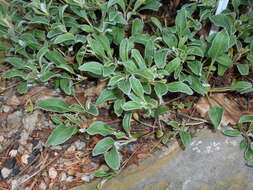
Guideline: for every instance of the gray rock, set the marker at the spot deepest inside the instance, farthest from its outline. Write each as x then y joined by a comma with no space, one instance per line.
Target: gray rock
14,121
80,145
5,172
7,108
211,162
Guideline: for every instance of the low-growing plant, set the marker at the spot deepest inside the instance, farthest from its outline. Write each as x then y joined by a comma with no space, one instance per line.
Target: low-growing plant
66,42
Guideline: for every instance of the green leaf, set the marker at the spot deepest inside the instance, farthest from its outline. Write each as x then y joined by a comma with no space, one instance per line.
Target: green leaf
250,163
173,65
91,109
66,85
113,158
145,73
137,26
242,87
160,58
106,95
60,135
185,138
224,60
126,123
99,127
151,5
246,119
195,67
103,146
195,50
14,73
129,66
60,62
93,67
56,119
138,58
63,38
22,88
53,105
170,39
131,105
16,62
243,69
219,45
118,106
72,119
223,20
97,47
157,23
136,86
123,49
161,110
76,108
179,87
124,86
181,23
149,51
39,20
161,89
215,114
232,133
115,79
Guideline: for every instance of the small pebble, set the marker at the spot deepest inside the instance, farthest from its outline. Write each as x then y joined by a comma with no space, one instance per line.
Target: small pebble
80,145
71,148
24,159
5,172
69,179
52,173
7,108
56,147
14,184
71,172
43,186
13,153
13,101
87,178
63,176
1,138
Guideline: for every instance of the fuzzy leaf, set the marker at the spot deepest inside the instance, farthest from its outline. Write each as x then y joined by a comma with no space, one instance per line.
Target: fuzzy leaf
215,114
103,146
185,138
53,105
113,158
60,135
126,123
99,127
179,87
93,67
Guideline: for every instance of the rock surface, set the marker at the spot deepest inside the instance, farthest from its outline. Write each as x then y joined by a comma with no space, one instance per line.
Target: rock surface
212,162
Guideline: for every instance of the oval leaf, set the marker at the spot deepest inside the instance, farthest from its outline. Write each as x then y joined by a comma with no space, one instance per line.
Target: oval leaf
102,146
215,114
63,38
179,87
113,158
232,133
99,127
53,105
185,138
60,135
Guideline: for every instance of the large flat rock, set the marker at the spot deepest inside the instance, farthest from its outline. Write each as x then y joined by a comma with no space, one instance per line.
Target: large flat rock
212,162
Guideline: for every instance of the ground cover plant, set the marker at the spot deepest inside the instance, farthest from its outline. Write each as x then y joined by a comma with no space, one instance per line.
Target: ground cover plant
144,58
